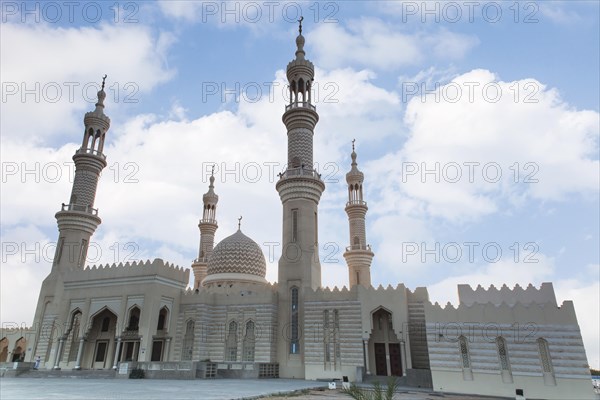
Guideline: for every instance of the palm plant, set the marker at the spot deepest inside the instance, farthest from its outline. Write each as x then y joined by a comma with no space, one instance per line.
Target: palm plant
377,392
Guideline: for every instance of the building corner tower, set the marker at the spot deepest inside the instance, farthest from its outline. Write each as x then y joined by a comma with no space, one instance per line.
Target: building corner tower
300,188
208,226
78,220
358,255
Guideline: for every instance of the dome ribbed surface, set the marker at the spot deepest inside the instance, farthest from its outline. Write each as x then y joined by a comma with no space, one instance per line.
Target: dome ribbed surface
237,254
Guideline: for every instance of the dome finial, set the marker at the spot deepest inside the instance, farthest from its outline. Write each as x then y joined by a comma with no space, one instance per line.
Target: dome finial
240,223
353,140
300,42
101,96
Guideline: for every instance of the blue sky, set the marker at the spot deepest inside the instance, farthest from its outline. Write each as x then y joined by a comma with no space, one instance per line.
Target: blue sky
378,66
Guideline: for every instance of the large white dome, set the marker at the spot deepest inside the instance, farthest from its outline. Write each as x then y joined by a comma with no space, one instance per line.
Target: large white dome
236,258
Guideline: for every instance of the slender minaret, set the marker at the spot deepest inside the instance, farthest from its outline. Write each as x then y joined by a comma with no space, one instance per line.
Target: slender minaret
208,226
358,255
78,220
300,188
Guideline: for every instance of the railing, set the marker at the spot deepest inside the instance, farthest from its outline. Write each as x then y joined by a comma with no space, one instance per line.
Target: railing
201,260
300,171
359,247
208,221
90,151
356,202
76,207
300,104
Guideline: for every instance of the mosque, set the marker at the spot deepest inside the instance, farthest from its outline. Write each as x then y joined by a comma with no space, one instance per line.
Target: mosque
233,323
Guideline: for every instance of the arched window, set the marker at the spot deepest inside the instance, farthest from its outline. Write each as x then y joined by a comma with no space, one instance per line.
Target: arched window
249,342
188,341
295,334
162,319
134,319
464,352
105,324
545,355
231,342
502,353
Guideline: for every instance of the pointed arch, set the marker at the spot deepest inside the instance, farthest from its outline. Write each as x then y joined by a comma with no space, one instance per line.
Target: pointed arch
133,318
231,342
163,319
3,349
188,340
18,353
249,343
73,334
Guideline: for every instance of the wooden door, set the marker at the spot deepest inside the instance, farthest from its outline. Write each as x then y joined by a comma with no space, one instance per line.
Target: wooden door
395,360
380,361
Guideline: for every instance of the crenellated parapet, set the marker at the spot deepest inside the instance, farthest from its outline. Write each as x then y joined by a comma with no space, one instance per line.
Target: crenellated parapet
502,313
544,295
156,268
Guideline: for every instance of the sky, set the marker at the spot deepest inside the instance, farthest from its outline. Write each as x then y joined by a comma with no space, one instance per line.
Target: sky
476,126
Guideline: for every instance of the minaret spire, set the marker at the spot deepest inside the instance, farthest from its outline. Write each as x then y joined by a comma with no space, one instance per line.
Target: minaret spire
358,255
78,220
208,226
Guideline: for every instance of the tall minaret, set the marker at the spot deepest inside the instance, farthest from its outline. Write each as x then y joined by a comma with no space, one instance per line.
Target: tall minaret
358,255
208,226
78,220
300,188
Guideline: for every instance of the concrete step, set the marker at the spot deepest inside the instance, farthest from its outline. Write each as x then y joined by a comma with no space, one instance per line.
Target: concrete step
80,374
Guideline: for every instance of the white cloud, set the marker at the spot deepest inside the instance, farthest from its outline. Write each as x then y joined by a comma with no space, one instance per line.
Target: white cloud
74,61
542,148
372,43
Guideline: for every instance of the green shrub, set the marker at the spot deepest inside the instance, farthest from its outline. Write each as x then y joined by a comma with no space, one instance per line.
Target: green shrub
137,373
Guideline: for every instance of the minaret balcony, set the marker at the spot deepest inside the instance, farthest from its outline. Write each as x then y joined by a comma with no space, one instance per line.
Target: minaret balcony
300,104
300,171
208,221
77,207
93,152
359,247
201,260
356,203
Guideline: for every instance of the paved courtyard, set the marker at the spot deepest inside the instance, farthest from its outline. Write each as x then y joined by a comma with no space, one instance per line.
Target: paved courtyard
145,389
113,389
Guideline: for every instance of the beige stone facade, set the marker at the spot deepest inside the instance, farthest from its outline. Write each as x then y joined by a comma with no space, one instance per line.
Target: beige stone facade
495,342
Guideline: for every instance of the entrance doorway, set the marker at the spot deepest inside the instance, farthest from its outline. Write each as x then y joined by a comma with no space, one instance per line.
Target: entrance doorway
385,355
157,349
100,354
